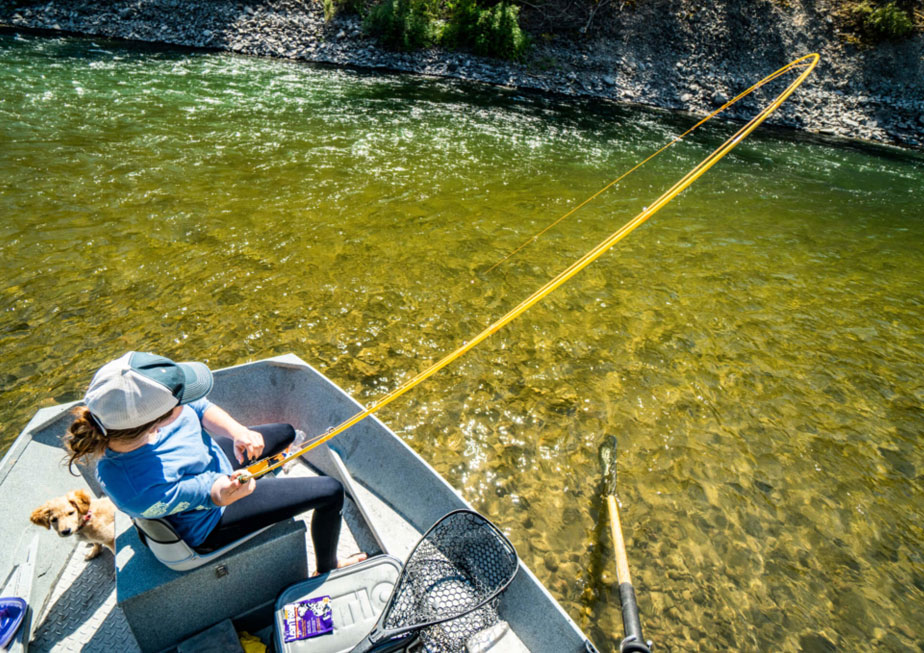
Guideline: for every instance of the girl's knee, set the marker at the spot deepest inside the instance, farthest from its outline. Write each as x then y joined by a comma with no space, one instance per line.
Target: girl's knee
276,437
332,490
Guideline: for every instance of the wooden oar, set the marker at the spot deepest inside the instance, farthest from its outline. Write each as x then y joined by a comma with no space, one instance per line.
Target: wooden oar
633,641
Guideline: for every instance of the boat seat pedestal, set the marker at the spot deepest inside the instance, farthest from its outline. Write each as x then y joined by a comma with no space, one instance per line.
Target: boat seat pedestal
164,607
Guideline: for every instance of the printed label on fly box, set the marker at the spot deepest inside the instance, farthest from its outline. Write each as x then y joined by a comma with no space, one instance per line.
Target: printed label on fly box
310,618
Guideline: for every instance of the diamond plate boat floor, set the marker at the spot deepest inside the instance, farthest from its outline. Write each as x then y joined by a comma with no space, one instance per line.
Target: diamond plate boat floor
82,614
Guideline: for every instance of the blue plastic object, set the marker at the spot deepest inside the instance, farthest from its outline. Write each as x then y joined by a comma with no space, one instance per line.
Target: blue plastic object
12,610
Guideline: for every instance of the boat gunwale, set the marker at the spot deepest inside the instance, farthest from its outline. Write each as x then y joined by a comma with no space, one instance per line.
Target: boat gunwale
42,419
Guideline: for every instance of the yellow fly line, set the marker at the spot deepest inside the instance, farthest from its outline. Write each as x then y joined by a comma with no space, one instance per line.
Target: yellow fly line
807,63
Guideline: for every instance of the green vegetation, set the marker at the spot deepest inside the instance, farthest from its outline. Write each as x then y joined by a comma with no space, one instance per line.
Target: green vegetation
872,22
490,30
883,23
493,31
402,24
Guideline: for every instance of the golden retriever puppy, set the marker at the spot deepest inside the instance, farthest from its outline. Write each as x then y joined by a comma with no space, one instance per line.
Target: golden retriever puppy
77,514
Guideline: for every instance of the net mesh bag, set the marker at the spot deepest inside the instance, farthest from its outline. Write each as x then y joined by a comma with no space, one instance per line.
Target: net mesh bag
451,636
451,577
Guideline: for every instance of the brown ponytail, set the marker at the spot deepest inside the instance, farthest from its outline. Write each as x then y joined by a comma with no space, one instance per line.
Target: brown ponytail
84,439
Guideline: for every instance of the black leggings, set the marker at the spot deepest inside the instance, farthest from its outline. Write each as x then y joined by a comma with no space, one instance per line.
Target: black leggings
275,499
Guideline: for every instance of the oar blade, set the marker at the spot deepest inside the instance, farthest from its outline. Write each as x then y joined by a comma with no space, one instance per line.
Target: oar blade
608,456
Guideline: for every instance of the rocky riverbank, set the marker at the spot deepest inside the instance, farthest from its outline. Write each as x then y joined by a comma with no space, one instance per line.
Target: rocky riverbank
672,54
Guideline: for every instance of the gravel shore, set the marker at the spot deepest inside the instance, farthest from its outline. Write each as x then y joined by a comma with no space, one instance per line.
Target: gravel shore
694,63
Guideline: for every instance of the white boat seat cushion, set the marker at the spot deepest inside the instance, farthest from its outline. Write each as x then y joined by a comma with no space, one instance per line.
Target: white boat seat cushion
159,536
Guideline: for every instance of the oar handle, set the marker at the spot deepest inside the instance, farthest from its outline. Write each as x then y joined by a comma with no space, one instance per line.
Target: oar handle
632,625
633,642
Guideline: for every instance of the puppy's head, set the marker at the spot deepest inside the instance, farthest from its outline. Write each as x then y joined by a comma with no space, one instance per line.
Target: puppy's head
64,514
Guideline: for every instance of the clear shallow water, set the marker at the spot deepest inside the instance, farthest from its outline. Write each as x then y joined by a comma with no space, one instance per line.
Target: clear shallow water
758,347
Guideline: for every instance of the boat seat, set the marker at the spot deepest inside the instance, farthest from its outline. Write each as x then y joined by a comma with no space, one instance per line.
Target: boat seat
159,536
164,581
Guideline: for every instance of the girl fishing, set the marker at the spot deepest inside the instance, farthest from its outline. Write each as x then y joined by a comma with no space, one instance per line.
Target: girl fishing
165,451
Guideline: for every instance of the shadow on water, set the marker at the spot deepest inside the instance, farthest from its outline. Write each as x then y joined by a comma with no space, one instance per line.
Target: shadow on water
79,47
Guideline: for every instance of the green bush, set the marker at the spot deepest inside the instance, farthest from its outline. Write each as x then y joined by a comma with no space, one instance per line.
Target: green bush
330,9
401,24
334,7
884,23
413,24
491,31
463,21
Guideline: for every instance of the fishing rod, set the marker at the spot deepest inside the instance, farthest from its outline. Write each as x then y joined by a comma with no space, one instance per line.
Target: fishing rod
808,62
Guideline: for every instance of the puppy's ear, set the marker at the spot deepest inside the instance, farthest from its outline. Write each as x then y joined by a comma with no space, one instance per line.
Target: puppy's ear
80,499
40,516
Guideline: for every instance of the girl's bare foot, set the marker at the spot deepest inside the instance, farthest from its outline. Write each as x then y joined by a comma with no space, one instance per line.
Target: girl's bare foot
352,560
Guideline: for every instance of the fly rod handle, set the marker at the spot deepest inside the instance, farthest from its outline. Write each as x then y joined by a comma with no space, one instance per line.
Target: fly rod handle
258,468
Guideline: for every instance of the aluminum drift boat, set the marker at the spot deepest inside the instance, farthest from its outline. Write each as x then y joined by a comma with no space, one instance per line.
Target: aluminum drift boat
395,496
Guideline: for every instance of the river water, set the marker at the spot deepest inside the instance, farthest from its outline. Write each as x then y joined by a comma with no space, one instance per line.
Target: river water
757,348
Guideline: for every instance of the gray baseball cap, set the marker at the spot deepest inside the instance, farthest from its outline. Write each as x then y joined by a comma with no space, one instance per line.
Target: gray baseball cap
138,388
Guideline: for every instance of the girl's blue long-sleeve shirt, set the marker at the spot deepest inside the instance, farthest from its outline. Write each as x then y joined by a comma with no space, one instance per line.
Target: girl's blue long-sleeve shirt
170,477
